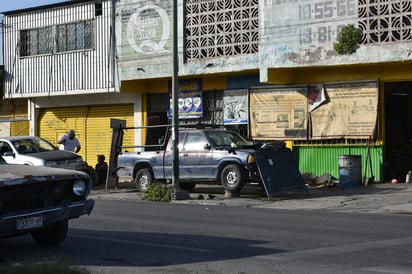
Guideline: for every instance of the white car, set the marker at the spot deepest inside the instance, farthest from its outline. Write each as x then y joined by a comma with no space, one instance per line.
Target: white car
36,151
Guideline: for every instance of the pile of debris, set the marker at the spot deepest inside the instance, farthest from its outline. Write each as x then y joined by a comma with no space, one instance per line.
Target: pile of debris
325,180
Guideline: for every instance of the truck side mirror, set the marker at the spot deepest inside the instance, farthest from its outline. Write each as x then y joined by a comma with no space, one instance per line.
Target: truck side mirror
207,146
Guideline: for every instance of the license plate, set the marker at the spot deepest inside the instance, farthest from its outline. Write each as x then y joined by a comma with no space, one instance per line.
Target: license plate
29,222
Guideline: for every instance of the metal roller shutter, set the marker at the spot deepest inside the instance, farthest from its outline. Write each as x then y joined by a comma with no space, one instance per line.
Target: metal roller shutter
54,122
19,128
92,126
99,133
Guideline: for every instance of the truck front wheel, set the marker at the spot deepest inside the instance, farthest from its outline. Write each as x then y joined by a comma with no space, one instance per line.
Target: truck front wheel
143,179
233,178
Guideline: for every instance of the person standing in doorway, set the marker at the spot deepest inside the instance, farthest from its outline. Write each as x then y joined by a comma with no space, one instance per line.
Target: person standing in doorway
69,142
101,169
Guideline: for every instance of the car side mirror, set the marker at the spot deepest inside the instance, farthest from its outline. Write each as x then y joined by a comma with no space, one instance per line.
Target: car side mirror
207,146
8,153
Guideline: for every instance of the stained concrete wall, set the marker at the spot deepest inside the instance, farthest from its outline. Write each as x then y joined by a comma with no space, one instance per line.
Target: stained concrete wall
298,33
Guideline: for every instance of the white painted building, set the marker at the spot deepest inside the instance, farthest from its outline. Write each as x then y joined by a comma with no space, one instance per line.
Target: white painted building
61,58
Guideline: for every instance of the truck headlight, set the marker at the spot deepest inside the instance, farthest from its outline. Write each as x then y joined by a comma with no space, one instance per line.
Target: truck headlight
79,188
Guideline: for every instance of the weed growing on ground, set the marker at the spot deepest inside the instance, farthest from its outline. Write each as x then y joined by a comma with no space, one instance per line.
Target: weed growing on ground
158,192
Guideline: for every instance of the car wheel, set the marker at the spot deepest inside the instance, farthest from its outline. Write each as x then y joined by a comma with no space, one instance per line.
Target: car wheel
52,235
143,179
187,186
233,178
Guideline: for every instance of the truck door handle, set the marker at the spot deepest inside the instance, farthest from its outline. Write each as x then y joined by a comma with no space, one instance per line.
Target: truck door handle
185,154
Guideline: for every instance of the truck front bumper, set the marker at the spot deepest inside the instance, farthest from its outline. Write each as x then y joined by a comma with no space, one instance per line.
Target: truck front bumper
11,223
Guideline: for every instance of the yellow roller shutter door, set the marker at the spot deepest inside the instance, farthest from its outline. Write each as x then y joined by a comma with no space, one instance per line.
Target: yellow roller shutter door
92,126
19,128
56,121
99,133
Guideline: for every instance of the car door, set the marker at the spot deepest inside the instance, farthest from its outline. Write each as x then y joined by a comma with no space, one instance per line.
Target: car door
196,157
168,156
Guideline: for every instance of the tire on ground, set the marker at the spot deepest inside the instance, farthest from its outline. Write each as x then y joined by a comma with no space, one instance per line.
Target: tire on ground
143,179
233,178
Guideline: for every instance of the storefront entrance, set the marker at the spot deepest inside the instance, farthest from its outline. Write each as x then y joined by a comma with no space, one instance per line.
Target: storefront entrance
398,130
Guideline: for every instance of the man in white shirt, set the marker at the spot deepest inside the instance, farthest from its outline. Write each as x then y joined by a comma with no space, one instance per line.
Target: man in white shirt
69,142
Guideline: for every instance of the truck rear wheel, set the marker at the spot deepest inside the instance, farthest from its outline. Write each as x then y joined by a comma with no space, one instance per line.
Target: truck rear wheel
143,179
233,178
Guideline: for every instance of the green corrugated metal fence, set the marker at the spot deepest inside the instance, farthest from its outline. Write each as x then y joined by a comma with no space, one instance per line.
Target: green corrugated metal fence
324,159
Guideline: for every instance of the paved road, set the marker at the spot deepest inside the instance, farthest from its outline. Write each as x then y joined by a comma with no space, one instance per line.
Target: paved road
250,234
374,198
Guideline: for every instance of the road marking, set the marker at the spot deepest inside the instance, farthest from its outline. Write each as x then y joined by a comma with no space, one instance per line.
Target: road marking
388,269
339,249
141,243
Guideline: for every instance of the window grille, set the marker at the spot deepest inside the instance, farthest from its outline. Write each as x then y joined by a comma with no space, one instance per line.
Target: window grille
36,41
74,36
215,28
383,21
45,40
69,37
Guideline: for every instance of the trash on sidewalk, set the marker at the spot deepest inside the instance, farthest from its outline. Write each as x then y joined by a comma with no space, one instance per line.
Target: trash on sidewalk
325,180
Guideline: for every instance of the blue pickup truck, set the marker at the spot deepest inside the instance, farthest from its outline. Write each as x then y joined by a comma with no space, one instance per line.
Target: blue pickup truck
211,155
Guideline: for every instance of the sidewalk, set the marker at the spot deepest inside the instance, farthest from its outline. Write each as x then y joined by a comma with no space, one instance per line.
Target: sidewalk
374,198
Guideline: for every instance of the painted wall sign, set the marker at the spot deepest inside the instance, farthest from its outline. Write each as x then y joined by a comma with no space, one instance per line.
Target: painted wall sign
148,30
145,47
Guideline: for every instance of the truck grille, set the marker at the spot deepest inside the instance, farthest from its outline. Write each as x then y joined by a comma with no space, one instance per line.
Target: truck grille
33,196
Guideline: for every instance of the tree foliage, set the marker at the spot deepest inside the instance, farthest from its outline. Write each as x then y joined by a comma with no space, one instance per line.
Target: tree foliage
348,40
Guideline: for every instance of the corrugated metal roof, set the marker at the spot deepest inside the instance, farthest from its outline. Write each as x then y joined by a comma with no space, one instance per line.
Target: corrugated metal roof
43,7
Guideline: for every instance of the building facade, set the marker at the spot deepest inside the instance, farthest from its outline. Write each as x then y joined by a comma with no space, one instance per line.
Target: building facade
267,69
60,61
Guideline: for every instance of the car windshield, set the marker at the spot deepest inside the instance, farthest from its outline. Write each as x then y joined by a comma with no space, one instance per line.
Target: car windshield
32,145
226,138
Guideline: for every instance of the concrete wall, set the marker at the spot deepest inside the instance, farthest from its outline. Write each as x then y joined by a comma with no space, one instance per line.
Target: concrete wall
298,33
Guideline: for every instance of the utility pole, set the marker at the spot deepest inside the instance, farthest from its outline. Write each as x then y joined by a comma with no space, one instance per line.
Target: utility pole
175,109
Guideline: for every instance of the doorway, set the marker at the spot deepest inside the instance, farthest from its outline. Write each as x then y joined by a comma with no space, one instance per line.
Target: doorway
398,130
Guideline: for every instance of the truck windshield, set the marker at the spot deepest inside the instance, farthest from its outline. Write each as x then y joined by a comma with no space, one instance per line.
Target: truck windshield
226,138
